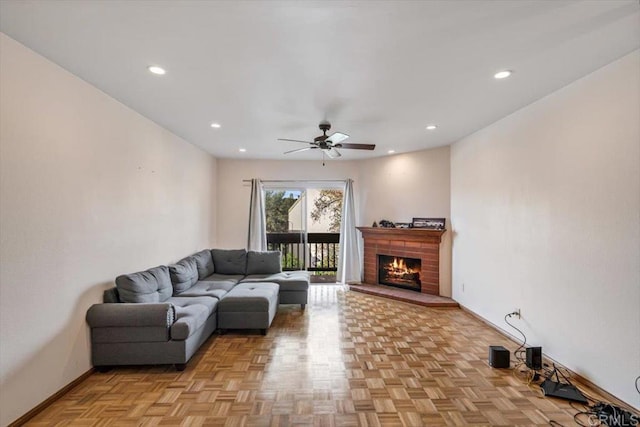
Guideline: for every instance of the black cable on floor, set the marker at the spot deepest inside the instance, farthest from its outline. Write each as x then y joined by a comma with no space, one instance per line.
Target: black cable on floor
524,338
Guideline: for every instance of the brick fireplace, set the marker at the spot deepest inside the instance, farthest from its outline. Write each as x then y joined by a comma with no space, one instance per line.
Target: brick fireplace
414,243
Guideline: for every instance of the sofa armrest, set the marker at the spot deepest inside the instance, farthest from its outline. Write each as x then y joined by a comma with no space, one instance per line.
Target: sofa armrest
130,315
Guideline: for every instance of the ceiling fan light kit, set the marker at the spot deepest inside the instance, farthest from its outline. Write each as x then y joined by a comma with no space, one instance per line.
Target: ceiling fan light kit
328,143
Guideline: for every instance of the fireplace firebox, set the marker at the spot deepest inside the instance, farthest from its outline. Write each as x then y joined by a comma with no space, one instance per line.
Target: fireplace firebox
400,272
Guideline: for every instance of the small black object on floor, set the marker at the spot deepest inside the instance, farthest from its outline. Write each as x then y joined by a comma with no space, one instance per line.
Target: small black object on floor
563,391
499,357
533,358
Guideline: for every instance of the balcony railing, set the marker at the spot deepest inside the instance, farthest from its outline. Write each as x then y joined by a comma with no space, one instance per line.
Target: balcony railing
318,253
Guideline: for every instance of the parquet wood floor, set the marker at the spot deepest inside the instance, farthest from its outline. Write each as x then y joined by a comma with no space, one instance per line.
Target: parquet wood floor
349,359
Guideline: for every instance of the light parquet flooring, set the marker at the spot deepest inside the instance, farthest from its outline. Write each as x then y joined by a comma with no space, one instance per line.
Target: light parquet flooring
349,359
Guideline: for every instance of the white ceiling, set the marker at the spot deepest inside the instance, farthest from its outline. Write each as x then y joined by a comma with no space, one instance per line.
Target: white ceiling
379,71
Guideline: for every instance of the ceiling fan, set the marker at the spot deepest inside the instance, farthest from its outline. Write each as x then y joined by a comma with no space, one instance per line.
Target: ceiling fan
328,143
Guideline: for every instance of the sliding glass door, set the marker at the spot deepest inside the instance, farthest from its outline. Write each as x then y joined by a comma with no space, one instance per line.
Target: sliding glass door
304,224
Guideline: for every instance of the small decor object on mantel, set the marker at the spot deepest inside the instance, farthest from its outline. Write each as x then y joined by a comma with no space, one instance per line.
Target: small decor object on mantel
387,224
403,225
375,225
429,223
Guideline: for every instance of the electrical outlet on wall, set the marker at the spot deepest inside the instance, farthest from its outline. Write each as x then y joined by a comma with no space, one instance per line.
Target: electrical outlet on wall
516,313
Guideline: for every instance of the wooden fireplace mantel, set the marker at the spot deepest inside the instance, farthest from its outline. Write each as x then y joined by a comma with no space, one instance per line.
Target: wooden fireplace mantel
408,234
419,243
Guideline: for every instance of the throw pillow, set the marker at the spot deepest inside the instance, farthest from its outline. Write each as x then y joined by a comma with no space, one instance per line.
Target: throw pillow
184,274
204,263
265,262
152,285
230,261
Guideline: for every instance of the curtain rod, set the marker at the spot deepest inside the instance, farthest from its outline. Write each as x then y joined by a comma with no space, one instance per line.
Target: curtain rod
298,180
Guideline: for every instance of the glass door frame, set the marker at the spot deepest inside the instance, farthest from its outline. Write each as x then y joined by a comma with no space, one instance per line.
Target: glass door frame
303,186
303,238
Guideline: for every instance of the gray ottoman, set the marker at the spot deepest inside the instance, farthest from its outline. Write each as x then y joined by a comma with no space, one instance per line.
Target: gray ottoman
294,285
249,306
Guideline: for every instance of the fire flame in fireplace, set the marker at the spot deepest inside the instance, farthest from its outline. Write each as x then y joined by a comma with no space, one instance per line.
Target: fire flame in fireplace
398,268
399,271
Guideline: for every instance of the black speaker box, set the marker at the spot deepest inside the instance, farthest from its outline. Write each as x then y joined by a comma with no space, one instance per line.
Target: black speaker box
534,358
499,357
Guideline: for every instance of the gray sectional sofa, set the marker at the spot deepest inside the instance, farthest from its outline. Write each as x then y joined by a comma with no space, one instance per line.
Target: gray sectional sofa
162,315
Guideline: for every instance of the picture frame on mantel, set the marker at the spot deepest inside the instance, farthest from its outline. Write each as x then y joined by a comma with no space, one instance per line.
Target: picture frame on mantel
429,223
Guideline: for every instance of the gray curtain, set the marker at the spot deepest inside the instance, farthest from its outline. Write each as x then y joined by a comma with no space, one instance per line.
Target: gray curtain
257,240
349,270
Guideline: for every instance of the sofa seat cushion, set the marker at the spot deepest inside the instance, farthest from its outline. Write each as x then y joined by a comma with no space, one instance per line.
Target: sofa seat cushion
250,297
185,302
204,263
184,274
208,289
191,314
219,278
288,280
149,286
264,262
188,320
230,261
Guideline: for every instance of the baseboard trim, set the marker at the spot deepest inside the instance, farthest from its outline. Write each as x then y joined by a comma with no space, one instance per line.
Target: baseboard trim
607,396
51,399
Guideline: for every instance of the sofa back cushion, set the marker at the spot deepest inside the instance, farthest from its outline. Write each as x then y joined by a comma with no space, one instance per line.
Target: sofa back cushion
265,262
152,285
230,261
184,274
111,296
204,262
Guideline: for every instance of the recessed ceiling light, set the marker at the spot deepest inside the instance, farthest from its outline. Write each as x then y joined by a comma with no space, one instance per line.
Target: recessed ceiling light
156,70
502,74
242,150
431,127
391,151
215,125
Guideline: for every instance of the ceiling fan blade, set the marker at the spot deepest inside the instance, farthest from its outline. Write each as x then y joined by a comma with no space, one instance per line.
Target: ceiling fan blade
299,150
337,137
295,140
332,153
356,146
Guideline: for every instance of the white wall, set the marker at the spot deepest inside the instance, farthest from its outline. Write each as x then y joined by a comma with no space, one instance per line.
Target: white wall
396,188
89,189
546,217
